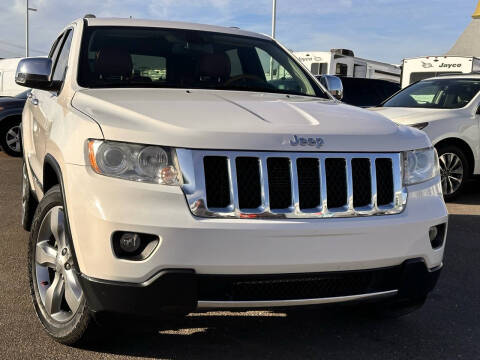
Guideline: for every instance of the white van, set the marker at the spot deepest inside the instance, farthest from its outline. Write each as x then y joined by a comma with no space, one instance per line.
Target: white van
8,87
342,62
416,69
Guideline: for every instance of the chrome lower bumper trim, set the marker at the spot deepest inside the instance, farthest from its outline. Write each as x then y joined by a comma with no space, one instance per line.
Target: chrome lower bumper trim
285,303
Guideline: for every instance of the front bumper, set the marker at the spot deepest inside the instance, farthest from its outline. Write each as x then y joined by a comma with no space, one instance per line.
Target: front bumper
184,291
237,246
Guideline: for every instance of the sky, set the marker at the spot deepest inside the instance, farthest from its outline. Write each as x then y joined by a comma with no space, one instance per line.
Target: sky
383,30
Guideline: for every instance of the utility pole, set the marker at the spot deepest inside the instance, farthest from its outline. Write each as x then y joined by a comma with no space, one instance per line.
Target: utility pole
274,22
27,9
274,17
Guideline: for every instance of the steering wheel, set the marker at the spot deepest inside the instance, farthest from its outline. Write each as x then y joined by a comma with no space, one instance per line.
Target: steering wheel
243,77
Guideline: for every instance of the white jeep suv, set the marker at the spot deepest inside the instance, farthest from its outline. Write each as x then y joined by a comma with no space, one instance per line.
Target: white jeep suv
447,108
167,170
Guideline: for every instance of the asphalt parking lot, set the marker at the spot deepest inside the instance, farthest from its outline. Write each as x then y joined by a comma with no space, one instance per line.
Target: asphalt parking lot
447,327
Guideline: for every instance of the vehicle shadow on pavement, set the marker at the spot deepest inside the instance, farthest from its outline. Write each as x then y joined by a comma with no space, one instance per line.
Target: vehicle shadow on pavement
445,328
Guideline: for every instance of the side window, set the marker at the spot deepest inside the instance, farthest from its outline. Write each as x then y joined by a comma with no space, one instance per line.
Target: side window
268,63
341,69
55,48
280,77
62,61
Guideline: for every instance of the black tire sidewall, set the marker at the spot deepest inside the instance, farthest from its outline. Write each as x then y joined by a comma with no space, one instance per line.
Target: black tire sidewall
466,167
6,125
30,202
71,331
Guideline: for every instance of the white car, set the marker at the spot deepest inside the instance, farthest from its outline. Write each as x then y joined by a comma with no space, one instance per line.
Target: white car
165,171
447,108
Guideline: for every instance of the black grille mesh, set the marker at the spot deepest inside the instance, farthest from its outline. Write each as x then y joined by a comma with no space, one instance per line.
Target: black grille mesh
384,181
336,182
362,182
280,189
248,182
296,286
216,181
308,183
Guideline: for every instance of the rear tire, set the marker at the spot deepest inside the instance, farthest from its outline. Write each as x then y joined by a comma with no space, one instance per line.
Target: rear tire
10,137
57,296
454,170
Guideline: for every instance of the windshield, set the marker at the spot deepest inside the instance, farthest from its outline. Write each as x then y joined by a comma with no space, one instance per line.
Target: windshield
436,94
172,58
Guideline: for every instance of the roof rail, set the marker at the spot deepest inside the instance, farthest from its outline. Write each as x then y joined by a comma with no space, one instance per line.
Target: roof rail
89,16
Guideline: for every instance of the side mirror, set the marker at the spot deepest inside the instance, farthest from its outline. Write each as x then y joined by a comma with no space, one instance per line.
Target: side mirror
334,85
35,73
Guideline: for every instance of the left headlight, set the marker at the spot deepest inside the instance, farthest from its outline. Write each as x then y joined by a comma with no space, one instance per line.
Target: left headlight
420,165
135,162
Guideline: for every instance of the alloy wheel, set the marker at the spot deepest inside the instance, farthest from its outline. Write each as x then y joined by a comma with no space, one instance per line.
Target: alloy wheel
13,139
452,172
57,283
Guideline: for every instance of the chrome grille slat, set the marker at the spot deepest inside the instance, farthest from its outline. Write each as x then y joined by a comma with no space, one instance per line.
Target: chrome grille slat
264,184
232,175
294,185
349,185
194,185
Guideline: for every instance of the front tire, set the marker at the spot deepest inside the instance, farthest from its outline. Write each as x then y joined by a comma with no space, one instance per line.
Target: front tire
10,137
56,293
454,170
29,203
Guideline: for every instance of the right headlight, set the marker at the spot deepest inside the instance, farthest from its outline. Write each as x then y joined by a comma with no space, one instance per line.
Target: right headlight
420,166
135,162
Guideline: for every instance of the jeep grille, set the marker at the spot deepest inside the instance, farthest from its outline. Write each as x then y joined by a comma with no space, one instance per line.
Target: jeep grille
237,184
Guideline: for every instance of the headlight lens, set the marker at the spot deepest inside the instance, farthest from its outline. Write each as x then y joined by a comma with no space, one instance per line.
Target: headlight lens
135,162
420,165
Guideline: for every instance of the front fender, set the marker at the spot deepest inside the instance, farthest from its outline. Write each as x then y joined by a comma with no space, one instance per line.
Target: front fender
10,112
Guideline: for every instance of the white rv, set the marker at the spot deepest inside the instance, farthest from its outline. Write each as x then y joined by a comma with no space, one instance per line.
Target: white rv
8,87
342,62
416,69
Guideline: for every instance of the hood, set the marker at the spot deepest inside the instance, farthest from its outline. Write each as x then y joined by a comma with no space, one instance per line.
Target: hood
11,102
215,119
410,116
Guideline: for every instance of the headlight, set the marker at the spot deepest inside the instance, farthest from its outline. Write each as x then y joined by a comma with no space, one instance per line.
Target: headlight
152,164
419,126
420,165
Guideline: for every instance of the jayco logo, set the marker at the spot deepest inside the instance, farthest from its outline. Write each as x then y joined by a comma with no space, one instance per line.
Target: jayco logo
448,66
306,141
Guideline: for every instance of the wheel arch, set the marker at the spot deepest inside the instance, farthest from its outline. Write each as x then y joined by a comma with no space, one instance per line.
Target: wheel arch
462,144
52,175
11,115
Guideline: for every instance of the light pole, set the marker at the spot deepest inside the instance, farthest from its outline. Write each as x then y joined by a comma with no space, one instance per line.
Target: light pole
274,17
27,9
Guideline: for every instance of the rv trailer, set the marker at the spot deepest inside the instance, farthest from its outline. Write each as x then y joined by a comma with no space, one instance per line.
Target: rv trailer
342,62
416,69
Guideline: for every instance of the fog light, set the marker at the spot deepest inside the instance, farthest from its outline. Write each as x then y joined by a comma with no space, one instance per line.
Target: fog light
130,242
437,235
133,246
